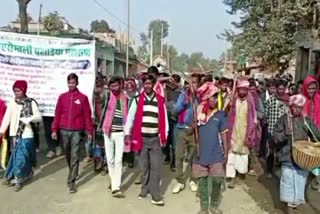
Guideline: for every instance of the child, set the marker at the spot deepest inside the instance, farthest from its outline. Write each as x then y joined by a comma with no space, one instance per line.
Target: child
209,164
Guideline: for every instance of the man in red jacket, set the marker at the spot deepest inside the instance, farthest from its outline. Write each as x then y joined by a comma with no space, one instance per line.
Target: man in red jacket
72,118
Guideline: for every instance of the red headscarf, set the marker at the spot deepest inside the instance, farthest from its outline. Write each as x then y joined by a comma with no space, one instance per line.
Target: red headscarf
315,115
22,85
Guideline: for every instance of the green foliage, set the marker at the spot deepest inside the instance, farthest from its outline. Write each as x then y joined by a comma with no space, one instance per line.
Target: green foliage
52,22
100,26
268,28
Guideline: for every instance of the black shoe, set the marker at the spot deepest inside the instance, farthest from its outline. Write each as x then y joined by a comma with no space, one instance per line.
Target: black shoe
117,194
142,195
72,188
17,187
130,165
138,181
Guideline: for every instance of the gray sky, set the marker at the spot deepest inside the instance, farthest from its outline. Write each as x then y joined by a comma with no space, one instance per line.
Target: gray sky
194,24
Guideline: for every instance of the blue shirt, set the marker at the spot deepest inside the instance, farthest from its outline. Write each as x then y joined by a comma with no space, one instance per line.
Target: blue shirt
180,106
211,149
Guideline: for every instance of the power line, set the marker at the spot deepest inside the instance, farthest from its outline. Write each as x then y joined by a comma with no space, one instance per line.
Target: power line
113,15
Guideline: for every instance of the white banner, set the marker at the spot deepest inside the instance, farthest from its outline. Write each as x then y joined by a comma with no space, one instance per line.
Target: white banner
45,62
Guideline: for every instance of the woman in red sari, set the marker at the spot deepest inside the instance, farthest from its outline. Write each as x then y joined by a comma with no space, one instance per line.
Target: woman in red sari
311,109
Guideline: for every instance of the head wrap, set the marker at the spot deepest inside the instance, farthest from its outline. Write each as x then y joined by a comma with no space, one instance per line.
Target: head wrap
22,85
207,90
243,84
298,100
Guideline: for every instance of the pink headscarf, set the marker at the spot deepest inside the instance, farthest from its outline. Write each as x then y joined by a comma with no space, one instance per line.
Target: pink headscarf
206,91
243,84
298,100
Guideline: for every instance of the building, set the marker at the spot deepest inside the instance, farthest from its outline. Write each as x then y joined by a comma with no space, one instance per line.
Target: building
34,26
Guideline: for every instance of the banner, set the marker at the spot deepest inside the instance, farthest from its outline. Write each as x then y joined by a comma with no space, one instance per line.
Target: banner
45,63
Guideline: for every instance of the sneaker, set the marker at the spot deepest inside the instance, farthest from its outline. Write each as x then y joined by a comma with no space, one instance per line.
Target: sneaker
159,203
142,195
193,186
215,211
17,187
117,194
51,155
231,184
72,188
58,151
252,173
178,188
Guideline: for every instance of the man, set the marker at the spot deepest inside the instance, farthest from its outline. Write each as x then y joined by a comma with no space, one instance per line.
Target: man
224,96
290,127
21,115
276,106
242,124
54,149
147,124
209,166
172,91
185,136
114,120
72,118
311,109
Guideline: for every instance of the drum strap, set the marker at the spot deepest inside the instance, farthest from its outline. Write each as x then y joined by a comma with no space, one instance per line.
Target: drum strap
310,130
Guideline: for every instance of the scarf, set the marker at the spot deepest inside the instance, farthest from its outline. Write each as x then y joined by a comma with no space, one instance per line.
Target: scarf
112,104
311,104
25,112
251,125
136,131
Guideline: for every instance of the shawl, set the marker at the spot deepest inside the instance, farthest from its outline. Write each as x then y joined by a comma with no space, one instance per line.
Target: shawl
112,104
25,112
251,119
309,101
136,131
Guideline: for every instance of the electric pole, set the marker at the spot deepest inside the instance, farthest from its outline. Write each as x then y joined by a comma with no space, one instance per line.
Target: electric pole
128,41
39,19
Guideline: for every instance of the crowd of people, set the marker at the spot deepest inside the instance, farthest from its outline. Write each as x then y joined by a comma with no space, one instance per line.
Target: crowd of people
219,128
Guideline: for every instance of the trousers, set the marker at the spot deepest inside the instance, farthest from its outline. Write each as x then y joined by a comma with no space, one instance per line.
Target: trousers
71,144
114,146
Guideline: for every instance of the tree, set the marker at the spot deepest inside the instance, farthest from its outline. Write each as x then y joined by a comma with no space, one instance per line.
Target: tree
268,28
30,19
23,15
53,23
100,26
160,30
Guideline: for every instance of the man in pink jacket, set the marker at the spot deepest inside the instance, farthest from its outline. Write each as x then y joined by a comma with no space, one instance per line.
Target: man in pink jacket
72,118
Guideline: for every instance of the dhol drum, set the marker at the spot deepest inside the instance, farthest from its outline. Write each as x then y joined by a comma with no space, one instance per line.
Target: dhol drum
306,154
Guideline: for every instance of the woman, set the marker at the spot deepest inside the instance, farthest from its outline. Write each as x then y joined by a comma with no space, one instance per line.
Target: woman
291,127
310,90
22,113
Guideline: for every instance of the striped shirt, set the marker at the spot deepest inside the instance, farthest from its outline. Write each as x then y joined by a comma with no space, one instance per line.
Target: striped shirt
117,125
150,118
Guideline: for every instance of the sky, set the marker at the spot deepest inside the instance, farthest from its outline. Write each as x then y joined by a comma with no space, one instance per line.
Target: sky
194,24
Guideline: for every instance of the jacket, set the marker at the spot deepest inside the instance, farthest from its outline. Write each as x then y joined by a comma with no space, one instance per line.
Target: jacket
73,113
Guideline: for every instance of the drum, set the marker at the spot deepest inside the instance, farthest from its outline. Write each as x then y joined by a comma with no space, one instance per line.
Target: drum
306,154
